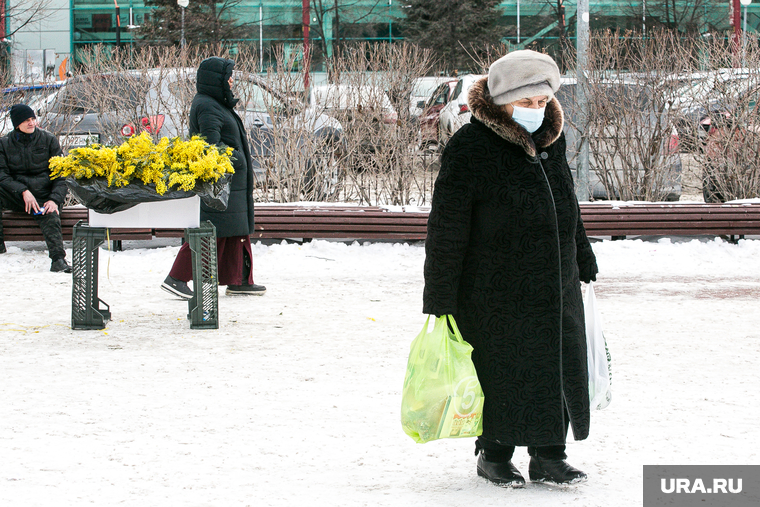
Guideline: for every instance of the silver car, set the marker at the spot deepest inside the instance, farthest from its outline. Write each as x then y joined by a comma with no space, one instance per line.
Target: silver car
633,151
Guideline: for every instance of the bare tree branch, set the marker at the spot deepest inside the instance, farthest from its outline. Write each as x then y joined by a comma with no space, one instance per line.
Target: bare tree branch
21,15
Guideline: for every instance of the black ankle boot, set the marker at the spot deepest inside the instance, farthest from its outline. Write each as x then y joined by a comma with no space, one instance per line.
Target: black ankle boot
554,470
503,474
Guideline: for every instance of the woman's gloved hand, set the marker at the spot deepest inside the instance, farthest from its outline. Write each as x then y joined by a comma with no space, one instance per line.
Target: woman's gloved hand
587,269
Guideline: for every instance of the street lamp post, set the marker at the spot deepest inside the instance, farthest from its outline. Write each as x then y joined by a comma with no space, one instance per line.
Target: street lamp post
390,21
644,19
745,3
183,4
261,37
518,21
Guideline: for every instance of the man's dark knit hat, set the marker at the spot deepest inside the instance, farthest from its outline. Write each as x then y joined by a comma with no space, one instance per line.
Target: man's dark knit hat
20,113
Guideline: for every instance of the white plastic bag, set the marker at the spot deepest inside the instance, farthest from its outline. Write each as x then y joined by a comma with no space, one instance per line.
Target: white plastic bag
599,359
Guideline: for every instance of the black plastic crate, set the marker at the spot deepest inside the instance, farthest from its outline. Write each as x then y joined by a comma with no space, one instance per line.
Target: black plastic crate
86,312
203,307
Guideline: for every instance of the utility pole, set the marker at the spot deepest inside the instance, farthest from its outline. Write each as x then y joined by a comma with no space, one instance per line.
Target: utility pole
745,3
118,24
582,164
306,21
183,4
390,21
518,21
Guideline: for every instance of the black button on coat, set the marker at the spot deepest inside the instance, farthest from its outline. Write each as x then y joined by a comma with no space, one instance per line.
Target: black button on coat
504,245
25,165
212,116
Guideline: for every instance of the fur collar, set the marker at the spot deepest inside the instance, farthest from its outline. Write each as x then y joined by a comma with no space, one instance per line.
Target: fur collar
496,118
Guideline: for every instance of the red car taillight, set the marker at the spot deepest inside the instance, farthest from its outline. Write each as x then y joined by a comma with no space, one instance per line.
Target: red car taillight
153,124
390,117
673,144
127,130
150,124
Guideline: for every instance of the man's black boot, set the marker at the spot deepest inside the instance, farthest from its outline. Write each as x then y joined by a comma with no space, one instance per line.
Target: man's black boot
60,266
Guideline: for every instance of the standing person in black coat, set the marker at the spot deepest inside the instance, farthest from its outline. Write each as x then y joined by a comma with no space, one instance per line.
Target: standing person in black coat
505,253
213,117
25,183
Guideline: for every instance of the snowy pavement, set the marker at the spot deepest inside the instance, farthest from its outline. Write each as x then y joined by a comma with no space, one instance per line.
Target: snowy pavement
294,401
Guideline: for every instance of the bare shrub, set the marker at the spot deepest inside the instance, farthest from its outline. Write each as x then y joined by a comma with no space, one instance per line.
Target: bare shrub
642,91
304,148
149,89
295,146
630,124
722,110
369,95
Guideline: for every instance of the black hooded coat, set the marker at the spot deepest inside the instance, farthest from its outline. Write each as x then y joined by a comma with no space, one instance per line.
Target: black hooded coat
212,116
504,246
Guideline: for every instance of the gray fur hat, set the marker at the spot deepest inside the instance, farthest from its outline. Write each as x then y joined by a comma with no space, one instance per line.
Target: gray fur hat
522,74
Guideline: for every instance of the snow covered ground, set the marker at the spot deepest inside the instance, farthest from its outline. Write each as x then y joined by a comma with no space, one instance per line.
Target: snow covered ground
294,401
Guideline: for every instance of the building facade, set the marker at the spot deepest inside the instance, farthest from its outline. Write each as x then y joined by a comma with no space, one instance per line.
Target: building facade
69,26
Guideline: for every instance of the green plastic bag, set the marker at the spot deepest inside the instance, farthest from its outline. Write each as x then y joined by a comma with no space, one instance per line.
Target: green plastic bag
442,397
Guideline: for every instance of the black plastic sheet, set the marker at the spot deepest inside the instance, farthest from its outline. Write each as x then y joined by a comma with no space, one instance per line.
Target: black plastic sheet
95,194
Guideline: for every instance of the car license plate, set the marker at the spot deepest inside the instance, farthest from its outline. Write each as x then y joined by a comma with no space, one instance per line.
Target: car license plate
77,140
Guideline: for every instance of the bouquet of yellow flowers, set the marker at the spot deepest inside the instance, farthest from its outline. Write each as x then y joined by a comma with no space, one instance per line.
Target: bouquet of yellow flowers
108,179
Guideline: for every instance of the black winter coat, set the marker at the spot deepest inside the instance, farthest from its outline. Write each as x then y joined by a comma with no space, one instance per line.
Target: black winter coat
212,116
25,165
504,244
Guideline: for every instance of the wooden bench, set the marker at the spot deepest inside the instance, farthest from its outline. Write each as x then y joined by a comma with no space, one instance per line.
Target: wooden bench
331,222
340,222
619,220
22,226
609,219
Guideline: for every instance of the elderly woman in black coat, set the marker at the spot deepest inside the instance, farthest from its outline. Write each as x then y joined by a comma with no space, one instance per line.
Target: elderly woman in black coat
505,253
213,117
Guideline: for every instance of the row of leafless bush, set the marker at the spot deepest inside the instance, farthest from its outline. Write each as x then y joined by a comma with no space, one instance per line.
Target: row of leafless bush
650,104
356,143
647,100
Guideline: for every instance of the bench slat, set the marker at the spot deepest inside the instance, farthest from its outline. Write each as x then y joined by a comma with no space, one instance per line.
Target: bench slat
371,222
338,235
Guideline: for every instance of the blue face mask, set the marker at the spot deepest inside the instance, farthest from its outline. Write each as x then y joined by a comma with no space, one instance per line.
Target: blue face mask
529,119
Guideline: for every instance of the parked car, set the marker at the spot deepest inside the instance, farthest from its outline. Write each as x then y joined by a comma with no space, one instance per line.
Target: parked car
287,132
732,151
352,100
23,94
456,112
703,94
110,107
625,146
368,119
422,89
430,118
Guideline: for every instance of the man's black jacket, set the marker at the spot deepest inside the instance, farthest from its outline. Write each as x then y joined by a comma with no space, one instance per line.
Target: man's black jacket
24,165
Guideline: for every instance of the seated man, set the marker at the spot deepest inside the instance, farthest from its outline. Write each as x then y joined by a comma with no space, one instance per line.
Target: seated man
25,183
